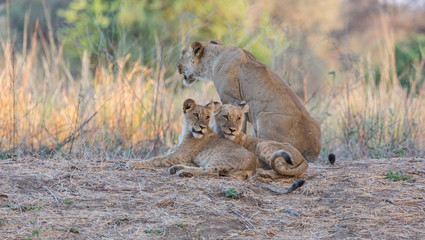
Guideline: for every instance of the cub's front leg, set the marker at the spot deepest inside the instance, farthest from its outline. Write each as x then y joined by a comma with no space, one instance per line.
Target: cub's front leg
167,160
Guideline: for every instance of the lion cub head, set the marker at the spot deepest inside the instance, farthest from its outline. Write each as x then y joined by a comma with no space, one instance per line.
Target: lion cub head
197,118
229,119
189,59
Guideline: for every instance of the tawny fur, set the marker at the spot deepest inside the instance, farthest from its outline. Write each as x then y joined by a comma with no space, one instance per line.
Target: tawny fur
228,123
199,145
275,113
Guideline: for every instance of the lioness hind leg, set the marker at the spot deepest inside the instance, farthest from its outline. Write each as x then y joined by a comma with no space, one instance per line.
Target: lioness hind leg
304,135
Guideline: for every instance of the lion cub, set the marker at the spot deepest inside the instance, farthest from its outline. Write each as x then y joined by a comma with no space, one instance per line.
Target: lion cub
199,145
283,158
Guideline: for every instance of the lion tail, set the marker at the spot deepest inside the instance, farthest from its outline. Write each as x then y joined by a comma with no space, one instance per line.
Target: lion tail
282,169
294,186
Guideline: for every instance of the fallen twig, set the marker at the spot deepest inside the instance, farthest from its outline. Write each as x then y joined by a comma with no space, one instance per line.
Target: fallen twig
56,199
246,223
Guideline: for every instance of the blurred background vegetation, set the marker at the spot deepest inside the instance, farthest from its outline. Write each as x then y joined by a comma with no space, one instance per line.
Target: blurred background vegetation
98,77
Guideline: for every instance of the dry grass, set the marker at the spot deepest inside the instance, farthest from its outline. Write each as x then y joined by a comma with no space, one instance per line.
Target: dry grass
101,199
122,108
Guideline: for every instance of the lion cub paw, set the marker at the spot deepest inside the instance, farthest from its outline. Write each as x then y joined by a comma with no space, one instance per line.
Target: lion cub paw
137,164
175,168
129,164
183,173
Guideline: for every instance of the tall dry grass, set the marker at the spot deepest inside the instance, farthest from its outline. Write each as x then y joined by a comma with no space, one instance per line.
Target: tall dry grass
362,118
129,109
124,108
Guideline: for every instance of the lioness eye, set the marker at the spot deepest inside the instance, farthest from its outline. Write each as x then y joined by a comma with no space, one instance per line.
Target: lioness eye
196,115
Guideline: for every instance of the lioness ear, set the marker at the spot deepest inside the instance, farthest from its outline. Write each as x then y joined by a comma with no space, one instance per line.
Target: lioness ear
188,105
198,49
218,42
244,106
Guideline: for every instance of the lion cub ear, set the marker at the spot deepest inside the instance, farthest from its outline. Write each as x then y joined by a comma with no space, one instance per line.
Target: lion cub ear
188,105
215,106
244,106
198,49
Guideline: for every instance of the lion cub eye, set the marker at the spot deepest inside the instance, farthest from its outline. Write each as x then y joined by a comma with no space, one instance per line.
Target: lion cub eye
238,119
226,117
207,117
196,115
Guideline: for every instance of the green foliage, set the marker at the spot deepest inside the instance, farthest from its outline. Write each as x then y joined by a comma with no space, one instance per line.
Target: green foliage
29,208
1,223
156,231
232,193
126,218
112,29
24,208
409,54
180,224
398,176
68,201
6,155
74,230
33,11
11,206
35,232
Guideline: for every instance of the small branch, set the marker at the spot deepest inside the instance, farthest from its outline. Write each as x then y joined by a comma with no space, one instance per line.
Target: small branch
246,223
56,199
75,133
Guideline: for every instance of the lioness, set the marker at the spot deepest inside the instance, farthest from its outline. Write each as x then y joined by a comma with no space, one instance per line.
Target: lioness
283,158
275,112
199,145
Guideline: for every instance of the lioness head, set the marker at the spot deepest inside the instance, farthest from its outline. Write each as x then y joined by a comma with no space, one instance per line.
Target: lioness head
229,119
197,117
189,59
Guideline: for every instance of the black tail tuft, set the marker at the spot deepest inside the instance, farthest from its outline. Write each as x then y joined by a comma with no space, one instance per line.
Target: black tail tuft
298,183
281,153
288,159
332,158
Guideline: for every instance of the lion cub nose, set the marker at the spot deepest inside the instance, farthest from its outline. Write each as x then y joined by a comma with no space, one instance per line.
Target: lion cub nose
232,129
202,126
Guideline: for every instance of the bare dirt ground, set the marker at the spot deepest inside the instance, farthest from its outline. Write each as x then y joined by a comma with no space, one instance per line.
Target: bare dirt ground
91,199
